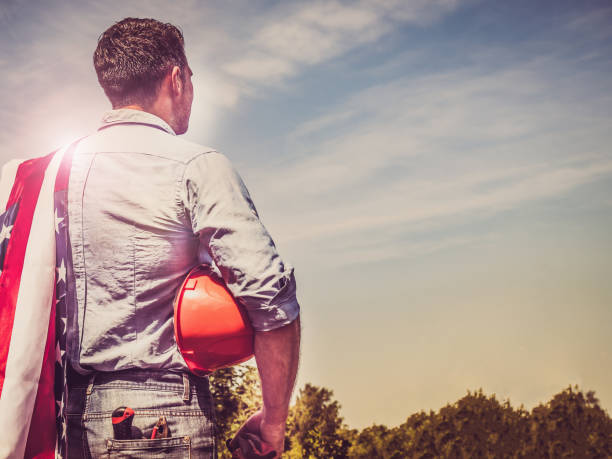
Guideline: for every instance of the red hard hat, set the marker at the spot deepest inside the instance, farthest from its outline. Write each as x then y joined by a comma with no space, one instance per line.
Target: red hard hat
212,330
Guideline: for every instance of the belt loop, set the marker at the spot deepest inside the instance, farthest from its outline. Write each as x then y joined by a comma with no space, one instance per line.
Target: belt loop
91,384
186,389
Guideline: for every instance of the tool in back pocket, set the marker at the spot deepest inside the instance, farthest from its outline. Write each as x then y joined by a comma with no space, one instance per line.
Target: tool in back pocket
161,429
122,422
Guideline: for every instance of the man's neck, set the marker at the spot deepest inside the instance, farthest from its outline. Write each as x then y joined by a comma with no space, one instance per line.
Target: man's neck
133,107
160,109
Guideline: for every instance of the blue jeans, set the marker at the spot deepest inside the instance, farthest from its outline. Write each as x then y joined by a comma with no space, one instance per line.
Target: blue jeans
184,399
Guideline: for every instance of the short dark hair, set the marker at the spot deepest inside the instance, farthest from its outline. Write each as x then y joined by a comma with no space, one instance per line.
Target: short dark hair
133,56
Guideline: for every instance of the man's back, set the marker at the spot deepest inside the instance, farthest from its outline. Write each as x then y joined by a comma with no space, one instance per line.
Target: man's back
145,207
132,243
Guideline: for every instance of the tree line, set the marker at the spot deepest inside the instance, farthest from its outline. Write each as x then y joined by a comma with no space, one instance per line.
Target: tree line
571,424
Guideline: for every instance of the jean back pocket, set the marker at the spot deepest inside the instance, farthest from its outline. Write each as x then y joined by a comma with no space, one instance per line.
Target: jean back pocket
173,448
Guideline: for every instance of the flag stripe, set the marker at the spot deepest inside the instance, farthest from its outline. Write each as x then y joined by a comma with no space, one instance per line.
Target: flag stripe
32,296
26,189
42,435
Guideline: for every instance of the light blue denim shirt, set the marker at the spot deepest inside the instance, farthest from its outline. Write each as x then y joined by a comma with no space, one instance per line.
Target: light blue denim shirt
145,207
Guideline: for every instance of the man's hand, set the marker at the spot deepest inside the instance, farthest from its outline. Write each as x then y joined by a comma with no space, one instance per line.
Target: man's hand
272,436
277,354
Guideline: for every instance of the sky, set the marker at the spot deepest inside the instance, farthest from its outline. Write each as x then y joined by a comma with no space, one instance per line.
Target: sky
438,172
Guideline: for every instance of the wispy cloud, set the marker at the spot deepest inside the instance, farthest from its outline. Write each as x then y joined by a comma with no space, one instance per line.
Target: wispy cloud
232,54
314,32
595,23
437,150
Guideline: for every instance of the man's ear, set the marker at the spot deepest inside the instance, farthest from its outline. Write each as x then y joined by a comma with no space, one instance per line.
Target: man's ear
176,80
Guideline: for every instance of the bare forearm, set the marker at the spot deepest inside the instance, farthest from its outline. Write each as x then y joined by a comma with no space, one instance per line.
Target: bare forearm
277,356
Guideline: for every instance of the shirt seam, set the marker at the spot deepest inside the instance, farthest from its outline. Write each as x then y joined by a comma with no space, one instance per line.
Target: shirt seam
119,123
135,305
139,153
196,156
182,214
84,267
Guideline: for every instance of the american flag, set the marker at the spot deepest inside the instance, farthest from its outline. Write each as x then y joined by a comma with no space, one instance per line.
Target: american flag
34,263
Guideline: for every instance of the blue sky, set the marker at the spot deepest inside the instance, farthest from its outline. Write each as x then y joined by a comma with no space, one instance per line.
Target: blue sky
438,172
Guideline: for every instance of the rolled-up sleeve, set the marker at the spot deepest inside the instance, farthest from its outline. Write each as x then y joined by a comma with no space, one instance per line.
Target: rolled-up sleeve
224,218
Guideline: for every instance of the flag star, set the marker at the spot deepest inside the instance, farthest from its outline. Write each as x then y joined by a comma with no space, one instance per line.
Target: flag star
63,431
5,233
58,220
61,272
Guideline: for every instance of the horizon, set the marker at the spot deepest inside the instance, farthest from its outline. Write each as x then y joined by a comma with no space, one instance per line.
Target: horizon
439,173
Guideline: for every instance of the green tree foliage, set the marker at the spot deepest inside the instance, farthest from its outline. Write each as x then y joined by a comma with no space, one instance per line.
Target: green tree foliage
372,442
315,428
237,395
571,424
474,426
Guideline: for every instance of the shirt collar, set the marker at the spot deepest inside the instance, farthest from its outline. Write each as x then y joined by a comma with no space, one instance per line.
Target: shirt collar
130,116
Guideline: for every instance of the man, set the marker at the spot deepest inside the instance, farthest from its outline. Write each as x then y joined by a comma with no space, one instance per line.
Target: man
144,208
